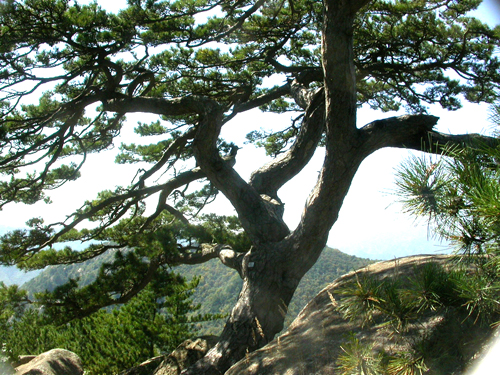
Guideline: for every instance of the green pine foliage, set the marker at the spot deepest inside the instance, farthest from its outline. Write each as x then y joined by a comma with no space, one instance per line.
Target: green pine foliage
359,358
110,341
458,195
464,296
431,288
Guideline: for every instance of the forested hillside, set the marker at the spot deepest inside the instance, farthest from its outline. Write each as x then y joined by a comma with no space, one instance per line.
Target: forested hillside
54,276
219,285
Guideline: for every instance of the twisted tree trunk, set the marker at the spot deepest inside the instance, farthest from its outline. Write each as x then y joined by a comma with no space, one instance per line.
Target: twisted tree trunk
270,278
279,258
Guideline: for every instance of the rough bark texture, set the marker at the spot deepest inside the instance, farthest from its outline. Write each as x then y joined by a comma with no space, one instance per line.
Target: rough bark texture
259,313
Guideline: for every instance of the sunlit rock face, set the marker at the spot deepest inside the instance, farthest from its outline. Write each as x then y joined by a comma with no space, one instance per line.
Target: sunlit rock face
316,340
53,362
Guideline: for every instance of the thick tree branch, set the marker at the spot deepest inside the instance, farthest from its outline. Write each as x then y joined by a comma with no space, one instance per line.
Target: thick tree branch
259,218
343,156
202,254
302,94
168,107
439,142
273,94
401,131
416,132
271,177
206,252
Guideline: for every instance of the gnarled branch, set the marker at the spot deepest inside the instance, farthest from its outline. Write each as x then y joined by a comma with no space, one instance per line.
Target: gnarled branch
271,177
206,252
416,132
259,219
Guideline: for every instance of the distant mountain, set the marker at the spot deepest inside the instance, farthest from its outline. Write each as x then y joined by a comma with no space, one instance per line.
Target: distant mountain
219,285
13,275
54,276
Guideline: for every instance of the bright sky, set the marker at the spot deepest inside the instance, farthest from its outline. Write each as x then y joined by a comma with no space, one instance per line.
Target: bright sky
370,223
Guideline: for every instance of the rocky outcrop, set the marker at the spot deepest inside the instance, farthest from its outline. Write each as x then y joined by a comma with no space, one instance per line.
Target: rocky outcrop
185,355
53,362
23,359
314,341
182,357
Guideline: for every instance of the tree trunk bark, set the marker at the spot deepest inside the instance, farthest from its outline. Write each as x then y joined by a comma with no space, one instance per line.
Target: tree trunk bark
259,314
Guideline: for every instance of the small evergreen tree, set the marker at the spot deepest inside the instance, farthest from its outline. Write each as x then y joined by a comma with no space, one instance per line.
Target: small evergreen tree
110,341
458,194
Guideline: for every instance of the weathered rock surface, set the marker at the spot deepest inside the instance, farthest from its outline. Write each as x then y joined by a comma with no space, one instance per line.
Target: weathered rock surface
23,359
182,357
313,341
185,355
53,362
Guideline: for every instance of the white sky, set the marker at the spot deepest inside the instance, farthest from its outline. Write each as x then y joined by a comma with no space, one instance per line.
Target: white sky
370,223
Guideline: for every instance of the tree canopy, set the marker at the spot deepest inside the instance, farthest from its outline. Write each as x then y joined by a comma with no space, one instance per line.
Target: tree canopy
70,73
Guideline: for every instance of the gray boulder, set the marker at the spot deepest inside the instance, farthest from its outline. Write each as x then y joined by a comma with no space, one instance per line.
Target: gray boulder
182,357
53,362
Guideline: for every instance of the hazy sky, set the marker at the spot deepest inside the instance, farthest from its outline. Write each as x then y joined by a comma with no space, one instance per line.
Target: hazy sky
370,223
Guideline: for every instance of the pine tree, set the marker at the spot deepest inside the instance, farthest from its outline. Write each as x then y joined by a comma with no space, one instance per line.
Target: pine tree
111,341
457,193
70,73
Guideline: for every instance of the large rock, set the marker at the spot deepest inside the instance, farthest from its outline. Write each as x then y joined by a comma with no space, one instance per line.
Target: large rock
53,362
313,342
182,357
